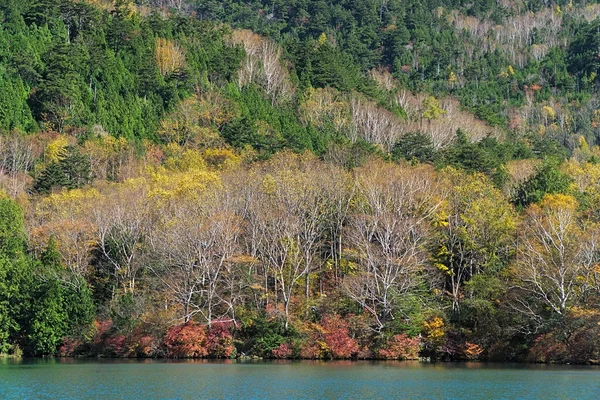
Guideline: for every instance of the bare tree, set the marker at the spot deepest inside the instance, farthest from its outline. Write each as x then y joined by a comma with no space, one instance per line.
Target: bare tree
290,222
556,257
16,159
263,65
388,233
196,242
122,218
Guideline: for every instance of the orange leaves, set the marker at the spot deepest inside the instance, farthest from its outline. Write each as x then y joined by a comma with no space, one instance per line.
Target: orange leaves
169,56
472,351
329,339
186,341
401,347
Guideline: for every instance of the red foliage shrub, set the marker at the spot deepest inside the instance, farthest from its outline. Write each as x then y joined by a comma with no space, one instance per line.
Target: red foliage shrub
186,341
114,345
401,347
102,330
106,341
337,337
142,343
275,311
576,340
219,341
330,339
69,347
312,349
147,346
547,349
284,350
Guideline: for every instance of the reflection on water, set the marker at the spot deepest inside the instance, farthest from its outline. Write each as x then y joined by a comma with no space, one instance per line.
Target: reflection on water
150,378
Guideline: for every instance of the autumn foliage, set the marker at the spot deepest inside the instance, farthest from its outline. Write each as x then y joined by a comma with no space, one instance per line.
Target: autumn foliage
352,183
401,347
329,339
219,340
169,56
284,350
186,341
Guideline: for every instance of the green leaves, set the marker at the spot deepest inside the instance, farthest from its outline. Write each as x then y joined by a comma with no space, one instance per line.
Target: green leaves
39,302
547,180
71,171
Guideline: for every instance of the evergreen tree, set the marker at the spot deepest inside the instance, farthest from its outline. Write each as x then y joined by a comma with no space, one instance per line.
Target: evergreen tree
71,171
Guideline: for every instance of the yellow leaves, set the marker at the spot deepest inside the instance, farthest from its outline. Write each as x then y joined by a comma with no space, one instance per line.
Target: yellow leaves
215,109
222,159
434,328
322,39
169,56
541,130
586,177
181,159
549,112
583,145
580,314
66,203
269,184
196,120
322,106
431,108
451,77
596,119
559,202
349,267
178,126
443,268
105,147
508,72
192,183
440,218
71,196
184,160
245,259
478,212
54,148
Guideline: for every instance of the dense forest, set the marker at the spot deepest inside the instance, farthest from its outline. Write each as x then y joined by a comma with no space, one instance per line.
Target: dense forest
375,179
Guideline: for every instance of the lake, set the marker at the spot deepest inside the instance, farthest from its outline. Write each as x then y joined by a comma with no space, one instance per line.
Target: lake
148,379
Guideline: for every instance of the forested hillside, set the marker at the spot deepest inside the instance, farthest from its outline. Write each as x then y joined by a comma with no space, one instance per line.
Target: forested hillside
300,179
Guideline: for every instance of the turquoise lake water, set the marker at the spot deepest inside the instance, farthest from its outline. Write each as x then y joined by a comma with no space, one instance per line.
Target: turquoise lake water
159,379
